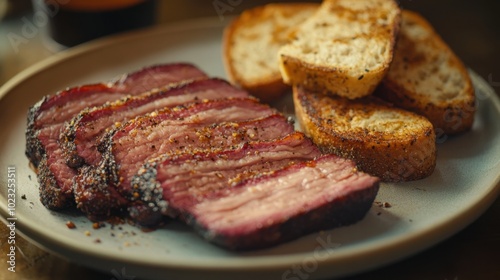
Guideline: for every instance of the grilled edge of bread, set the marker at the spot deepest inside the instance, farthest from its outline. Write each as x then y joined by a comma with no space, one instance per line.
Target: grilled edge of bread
426,77
391,143
251,43
344,49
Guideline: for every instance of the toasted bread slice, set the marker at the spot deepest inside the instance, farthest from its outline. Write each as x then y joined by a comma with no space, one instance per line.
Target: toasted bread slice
428,78
387,142
251,43
345,48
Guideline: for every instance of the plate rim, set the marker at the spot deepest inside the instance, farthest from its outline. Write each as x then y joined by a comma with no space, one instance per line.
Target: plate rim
458,221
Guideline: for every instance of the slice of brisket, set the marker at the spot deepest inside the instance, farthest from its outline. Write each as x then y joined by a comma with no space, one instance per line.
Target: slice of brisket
80,136
201,126
46,120
269,209
168,185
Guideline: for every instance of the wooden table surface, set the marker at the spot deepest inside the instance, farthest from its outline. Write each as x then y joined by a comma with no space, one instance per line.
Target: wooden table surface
471,28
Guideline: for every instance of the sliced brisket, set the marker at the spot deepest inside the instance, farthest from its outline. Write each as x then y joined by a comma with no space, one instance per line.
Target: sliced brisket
157,76
176,182
265,210
201,126
80,135
46,120
167,141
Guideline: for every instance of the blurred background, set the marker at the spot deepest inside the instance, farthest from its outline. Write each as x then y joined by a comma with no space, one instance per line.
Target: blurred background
471,28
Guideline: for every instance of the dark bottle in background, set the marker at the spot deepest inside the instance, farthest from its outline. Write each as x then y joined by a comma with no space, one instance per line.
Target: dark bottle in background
76,21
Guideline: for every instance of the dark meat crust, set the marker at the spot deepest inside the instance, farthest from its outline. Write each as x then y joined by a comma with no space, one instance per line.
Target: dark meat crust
103,202
68,136
34,148
51,195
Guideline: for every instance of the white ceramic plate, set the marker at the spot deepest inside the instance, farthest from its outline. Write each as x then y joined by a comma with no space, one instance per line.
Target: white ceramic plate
423,213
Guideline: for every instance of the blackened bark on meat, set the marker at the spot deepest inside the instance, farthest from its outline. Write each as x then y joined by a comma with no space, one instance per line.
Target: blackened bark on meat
148,207
67,140
34,148
103,203
51,195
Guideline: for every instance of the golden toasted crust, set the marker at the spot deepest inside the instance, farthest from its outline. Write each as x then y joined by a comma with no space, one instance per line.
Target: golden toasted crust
345,49
251,42
384,141
426,77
